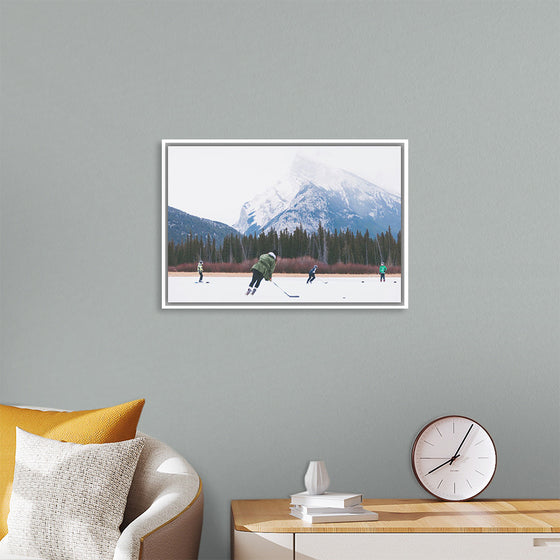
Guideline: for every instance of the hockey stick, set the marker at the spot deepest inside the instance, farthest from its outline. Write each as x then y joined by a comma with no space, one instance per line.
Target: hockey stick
281,289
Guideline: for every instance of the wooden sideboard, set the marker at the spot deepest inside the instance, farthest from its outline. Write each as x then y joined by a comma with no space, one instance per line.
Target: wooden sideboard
406,530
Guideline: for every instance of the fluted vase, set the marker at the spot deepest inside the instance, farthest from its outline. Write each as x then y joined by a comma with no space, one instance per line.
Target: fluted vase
316,478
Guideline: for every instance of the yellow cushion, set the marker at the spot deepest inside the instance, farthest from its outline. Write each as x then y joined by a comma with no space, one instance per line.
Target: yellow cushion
104,425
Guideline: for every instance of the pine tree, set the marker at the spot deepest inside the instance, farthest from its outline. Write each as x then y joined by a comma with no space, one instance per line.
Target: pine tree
322,245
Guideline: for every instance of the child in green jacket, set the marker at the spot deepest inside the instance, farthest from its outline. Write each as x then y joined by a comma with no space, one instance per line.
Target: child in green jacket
263,268
382,271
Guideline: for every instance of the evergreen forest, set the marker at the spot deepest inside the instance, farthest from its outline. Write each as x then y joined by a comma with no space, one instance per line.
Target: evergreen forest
329,248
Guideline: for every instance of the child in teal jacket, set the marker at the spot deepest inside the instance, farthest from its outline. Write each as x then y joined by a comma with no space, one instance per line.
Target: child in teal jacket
382,271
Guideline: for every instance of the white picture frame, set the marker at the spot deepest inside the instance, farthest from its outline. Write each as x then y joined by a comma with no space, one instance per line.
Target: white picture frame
331,203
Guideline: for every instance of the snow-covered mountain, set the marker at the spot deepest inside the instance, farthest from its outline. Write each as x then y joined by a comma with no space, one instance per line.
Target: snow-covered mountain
314,193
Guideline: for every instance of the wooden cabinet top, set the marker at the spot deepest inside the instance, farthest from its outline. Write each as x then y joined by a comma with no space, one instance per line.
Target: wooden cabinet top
409,516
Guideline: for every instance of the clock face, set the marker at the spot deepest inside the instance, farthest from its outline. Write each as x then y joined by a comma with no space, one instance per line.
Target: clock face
454,458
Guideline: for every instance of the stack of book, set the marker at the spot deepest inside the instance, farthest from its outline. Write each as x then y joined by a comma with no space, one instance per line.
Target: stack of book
330,507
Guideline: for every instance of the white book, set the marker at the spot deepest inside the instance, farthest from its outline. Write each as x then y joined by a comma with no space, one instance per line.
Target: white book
311,510
364,515
328,499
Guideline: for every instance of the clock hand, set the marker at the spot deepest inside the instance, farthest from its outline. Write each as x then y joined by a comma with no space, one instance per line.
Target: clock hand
461,445
455,456
443,464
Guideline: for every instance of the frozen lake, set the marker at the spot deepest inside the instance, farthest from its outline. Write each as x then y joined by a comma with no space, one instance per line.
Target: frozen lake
223,288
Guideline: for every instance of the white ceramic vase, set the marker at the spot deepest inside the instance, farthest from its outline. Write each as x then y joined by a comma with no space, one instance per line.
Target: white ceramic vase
316,478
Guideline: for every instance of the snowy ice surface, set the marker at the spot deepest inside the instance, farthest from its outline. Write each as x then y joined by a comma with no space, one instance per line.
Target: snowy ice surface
352,290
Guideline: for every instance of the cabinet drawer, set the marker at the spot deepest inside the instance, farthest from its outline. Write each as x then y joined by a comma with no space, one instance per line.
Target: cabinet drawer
262,546
427,546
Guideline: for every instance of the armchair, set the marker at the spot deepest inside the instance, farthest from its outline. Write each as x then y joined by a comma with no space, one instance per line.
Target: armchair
163,516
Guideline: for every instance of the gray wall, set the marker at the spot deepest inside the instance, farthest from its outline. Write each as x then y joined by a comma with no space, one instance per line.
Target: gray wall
88,91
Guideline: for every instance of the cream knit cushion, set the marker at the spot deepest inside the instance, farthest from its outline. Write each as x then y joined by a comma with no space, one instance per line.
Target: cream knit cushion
68,499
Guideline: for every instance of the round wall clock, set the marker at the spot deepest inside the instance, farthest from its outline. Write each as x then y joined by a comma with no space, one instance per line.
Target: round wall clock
454,458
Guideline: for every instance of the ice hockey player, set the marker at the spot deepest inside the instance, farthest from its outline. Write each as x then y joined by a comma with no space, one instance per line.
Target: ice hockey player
382,271
263,268
200,271
312,274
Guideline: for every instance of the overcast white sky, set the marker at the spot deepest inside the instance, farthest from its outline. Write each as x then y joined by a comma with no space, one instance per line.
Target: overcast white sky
215,181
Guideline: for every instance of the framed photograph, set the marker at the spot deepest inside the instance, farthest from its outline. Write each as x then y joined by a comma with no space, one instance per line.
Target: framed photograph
286,224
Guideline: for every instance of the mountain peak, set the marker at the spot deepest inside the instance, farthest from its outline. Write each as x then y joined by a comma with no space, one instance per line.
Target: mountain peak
314,192
304,165
306,170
